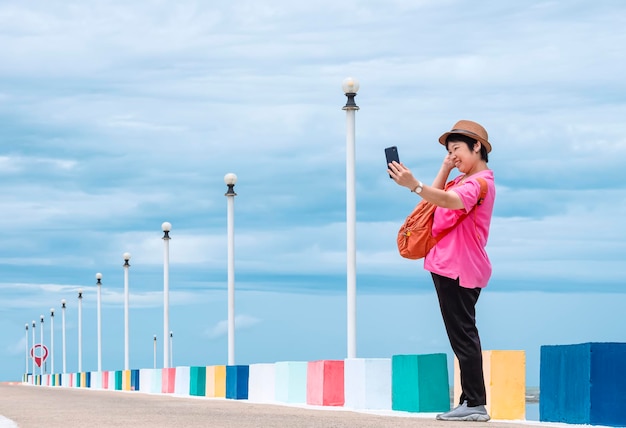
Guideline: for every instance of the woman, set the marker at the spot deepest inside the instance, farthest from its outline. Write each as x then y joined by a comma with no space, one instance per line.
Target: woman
459,264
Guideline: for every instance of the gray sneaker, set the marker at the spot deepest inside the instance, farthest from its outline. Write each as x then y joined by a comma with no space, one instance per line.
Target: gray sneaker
465,413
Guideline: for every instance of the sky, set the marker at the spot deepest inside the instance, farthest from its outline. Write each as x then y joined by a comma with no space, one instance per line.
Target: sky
116,117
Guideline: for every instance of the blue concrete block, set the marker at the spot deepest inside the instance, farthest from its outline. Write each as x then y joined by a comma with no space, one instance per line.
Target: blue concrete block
134,380
237,382
583,384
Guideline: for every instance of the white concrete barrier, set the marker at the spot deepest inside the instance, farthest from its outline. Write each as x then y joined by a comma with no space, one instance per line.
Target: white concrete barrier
367,383
261,383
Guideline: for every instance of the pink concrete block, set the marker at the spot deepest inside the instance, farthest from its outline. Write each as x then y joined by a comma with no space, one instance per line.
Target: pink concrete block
71,380
325,383
105,380
168,381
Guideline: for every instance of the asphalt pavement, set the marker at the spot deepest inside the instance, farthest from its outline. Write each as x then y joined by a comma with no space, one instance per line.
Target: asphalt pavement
51,407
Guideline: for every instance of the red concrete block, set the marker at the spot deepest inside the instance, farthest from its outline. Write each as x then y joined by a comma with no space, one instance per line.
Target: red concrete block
168,380
105,380
325,383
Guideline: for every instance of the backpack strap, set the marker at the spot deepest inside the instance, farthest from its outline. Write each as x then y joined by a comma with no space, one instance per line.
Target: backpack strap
481,198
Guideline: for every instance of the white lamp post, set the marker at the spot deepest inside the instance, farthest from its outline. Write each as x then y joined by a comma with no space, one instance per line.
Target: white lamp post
33,331
43,363
166,227
154,352
52,340
80,330
126,299
350,87
231,179
171,348
27,351
63,333
99,319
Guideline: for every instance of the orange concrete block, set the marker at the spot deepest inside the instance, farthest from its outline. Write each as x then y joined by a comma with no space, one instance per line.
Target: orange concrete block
505,383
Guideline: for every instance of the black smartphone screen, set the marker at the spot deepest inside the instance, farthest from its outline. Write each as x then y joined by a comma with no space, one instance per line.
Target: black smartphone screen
391,153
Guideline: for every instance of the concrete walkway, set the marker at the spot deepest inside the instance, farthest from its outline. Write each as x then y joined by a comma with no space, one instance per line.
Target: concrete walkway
52,407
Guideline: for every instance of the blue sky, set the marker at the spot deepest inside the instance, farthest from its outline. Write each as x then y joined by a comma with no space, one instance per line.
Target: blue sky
116,117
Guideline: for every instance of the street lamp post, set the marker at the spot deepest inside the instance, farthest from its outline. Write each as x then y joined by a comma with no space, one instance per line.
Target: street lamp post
63,333
43,363
27,351
52,340
80,330
230,180
154,350
350,87
126,299
171,348
33,348
99,319
166,227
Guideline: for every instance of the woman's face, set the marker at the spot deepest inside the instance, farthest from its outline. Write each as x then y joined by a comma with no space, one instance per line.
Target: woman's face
463,157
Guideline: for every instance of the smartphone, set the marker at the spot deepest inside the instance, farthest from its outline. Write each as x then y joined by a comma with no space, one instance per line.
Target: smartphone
391,153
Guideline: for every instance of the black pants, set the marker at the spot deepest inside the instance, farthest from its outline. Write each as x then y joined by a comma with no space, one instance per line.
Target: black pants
459,316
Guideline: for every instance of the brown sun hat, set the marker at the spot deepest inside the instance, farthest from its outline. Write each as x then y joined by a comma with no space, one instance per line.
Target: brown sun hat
471,129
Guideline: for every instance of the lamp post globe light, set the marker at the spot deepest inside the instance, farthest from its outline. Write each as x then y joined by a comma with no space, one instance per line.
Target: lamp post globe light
43,363
154,350
99,318
52,340
33,331
350,87
63,333
27,351
126,301
230,180
166,227
80,330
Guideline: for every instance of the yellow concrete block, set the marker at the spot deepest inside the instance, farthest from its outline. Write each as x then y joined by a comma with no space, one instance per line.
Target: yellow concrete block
215,381
83,380
125,380
220,381
505,383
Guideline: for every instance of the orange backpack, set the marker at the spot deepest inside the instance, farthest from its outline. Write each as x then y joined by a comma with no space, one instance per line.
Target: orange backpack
415,237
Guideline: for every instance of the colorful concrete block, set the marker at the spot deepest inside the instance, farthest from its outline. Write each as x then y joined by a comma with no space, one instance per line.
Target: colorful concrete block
134,380
237,382
261,383
105,380
215,381
505,384
96,380
168,380
583,384
419,383
197,381
112,380
367,383
290,381
181,384
145,380
118,380
126,380
156,383
325,383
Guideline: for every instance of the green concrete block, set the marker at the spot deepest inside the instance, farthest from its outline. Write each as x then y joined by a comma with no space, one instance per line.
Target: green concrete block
197,381
419,383
118,380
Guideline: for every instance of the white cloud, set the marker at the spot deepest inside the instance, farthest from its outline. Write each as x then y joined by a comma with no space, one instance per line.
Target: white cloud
221,328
